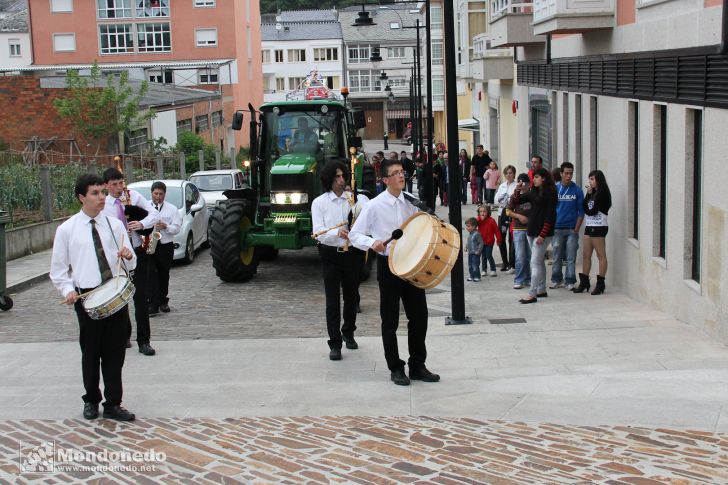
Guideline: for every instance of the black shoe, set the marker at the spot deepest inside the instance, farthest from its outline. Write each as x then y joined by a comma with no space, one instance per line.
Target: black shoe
399,378
600,286
584,284
350,342
526,301
542,295
146,349
90,410
164,308
118,413
422,374
505,268
153,310
335,354
128,343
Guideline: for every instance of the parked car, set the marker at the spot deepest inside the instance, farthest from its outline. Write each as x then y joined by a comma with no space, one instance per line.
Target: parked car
187,198
212,184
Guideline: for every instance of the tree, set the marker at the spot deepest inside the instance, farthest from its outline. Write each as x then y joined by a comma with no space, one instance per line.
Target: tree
98,111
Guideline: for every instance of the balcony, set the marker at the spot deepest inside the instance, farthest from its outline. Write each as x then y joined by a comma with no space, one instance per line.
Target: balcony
490,62
510,24
572,16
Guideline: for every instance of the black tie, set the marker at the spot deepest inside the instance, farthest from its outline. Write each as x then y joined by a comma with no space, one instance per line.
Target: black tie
100,255
156,206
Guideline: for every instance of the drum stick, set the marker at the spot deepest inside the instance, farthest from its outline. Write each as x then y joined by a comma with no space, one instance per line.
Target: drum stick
82,295
396,234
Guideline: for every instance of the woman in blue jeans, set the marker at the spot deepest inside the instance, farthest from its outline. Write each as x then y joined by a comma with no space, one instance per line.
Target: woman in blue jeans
540,227
519,214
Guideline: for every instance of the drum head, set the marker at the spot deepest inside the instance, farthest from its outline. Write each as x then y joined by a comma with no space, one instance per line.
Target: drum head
106,292
413,246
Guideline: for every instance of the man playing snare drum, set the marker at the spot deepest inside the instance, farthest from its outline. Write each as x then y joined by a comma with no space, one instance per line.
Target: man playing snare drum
385,213
86,253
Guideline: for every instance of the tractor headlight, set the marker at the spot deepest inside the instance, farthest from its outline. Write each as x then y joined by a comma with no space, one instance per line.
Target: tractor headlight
289,198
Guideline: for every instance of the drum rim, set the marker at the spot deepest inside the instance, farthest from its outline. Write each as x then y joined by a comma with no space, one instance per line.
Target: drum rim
127,282
433,238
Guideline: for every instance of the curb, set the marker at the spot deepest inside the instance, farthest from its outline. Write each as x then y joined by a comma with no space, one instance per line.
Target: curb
25,284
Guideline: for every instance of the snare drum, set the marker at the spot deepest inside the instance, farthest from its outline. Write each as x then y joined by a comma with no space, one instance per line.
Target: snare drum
109,298
426,252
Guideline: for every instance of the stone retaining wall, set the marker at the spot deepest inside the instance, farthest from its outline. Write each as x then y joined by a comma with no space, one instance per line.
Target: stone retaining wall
30,239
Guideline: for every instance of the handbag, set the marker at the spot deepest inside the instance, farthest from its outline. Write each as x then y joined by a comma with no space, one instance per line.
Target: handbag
504,222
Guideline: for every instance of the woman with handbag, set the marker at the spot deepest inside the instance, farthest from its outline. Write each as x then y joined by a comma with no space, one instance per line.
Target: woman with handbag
505,190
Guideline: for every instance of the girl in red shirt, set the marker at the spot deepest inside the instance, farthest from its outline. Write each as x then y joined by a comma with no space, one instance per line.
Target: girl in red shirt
488,228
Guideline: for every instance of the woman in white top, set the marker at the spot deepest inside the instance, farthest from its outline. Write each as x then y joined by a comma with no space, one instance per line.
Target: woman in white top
505,190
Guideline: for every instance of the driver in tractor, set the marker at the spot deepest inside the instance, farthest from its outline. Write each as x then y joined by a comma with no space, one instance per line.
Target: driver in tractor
304,136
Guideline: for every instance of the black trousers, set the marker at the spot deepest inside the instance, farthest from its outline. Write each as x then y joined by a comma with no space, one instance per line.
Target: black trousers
341,278
103,342
141,303
158,266
391,290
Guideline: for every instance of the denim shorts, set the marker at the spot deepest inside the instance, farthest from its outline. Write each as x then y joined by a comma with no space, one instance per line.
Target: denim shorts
596,231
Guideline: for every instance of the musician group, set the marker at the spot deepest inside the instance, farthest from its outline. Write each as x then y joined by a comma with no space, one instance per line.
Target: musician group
131,239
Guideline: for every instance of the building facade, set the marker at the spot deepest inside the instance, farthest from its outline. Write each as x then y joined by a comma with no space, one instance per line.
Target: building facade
296,43
15,46
213,44
636,89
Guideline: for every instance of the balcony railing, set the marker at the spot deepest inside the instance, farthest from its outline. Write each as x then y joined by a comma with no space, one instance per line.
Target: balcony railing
502,7
482,47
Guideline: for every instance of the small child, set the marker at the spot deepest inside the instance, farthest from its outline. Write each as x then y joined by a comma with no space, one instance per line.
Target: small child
474,185
488,228
474,248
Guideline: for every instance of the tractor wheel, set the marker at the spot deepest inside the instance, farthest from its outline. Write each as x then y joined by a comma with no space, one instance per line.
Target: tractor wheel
366,271
231,258
267,253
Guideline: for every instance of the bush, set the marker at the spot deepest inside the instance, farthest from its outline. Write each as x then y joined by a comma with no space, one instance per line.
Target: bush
190,144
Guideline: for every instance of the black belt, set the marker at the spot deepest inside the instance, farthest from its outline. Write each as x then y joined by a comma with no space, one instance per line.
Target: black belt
326,247
81,291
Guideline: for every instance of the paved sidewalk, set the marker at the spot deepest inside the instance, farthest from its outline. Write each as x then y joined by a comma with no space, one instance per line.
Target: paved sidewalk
24,272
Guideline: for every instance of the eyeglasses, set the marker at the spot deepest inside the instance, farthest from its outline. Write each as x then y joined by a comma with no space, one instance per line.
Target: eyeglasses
398,173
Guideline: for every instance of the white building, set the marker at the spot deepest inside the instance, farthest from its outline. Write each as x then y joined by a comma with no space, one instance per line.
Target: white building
15,45
636,89
297,43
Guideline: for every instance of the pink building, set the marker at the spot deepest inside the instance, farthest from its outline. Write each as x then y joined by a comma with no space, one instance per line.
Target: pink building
213,44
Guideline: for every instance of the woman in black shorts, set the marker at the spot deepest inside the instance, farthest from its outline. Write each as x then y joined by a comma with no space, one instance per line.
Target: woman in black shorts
597,202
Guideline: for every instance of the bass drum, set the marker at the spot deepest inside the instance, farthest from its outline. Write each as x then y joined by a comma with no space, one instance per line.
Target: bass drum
426,252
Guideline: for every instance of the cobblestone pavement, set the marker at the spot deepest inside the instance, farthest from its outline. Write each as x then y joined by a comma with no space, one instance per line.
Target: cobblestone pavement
285,299
389,450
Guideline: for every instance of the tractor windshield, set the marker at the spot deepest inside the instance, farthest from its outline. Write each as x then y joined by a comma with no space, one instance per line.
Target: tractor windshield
304,132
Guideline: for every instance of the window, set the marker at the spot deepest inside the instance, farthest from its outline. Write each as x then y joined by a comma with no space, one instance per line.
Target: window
394,25
216,119
114,9
184,125
202,123
296,55
115,38
693,192
633,169
280,84
365,80
64,42
593,133
565,126
206,37
333,82
295,82
279,55
138,140
358,53
436,16
395,52
265,56
204,3
438,86
14,47
154,37
207,76
326,54
659,182
578,140
249,42
162,77
152,8
58,6
437,50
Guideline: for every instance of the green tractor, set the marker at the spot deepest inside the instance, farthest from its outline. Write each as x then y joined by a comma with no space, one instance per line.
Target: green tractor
290,141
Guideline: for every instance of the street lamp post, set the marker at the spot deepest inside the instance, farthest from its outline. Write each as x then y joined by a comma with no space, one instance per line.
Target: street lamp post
457,285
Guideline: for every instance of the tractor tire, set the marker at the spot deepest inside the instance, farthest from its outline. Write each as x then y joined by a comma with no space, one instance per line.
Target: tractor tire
267,253
366,270
231,259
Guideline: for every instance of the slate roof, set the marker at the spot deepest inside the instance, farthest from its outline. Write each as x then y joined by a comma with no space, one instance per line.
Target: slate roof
156,95
324,15
15,22
13,5
301,31
380,33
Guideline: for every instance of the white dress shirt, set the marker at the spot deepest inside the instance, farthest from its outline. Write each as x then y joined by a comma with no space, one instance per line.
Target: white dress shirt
382,215
328,210
74,263
169,214
137,199
504,192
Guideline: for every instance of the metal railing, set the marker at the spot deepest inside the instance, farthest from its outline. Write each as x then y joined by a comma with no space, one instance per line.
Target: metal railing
502,7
